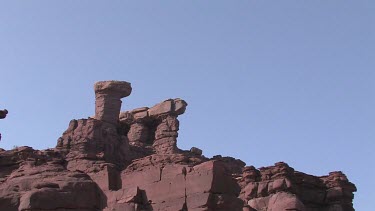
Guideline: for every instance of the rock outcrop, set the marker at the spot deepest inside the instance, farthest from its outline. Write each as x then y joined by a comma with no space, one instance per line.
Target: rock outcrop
280,187
3,113
129,161
156,126
108,96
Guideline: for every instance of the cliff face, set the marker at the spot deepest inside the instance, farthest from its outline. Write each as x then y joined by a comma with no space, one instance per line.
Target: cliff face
128,161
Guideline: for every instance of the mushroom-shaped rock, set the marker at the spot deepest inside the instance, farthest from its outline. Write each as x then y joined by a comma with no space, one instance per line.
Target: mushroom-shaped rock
120,88
108,96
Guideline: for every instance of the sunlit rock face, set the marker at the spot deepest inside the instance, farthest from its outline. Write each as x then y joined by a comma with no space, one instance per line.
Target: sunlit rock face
108,96
129,161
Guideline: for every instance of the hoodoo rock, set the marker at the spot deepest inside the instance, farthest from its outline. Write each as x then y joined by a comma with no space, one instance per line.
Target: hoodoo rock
108,96
129,161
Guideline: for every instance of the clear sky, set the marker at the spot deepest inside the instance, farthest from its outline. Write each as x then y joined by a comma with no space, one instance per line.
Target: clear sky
266,81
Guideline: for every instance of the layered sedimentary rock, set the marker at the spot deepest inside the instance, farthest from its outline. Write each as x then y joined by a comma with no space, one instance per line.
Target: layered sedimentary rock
280,187
108,96
128,161
156,126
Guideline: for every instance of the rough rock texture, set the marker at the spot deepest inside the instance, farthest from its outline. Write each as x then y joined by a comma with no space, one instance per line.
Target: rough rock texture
108,96
280,187
130,161
153,128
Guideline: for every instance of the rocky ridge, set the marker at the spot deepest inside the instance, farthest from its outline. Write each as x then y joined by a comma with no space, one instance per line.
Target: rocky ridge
129,161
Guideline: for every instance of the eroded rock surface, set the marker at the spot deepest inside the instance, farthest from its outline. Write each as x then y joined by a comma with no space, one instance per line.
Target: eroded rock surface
129,161
108,96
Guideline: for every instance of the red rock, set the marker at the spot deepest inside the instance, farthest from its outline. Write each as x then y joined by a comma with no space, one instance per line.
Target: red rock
139,133
250,191
211,177
179,106
161,108
130,161
196,151
277,202
108,96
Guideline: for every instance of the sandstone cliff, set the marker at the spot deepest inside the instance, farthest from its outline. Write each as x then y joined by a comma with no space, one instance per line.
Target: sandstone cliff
128,161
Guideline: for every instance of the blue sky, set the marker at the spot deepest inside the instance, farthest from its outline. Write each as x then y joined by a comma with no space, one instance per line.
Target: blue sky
266,81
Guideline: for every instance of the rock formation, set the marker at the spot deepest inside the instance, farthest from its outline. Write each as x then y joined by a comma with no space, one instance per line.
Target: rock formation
3,114
108,96
129,161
